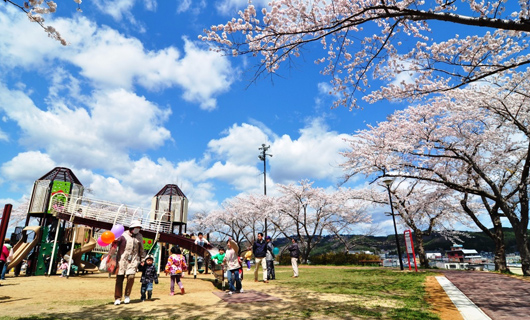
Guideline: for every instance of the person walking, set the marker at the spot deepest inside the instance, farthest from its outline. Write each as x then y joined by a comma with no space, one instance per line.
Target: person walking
3,256
269,257
130,253
259,249
8,260
248,256
149,276
294,252
175,266
233,266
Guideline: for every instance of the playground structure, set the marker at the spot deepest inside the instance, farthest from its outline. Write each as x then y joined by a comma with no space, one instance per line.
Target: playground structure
22,249
88,243
68,219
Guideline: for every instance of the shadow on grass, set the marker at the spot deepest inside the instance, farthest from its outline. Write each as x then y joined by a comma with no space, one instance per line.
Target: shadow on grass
298,307
296,303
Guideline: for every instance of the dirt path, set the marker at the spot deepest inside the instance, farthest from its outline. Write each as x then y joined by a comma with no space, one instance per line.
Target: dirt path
441,303
91,297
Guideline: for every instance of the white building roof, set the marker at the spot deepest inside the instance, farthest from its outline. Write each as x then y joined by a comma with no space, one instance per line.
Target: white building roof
469,251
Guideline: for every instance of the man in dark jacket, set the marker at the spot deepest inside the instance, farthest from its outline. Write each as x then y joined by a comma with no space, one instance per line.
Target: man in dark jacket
295,254
259,248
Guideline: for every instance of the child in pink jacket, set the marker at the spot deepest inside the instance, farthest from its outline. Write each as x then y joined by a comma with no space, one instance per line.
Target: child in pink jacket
176,264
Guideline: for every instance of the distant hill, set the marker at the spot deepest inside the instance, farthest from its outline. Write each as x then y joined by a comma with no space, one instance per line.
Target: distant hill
437,243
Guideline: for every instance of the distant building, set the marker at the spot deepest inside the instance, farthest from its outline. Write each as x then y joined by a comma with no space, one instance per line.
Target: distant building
360,252
460,258
434,255
459,254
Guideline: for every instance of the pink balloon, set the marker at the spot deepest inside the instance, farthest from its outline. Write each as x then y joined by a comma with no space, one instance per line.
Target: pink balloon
101,243
117,230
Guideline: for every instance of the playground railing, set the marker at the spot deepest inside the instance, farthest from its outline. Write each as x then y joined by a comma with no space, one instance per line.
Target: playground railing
115,213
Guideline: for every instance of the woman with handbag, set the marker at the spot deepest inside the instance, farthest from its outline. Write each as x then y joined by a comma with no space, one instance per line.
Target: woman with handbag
130,254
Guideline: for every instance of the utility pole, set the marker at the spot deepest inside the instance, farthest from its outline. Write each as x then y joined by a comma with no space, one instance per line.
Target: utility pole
263,157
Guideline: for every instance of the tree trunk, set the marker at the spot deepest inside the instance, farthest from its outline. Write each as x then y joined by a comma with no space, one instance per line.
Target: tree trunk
424,262
497,235
521,238
500,246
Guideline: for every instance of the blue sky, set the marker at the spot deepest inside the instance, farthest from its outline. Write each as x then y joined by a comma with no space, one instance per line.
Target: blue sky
136,101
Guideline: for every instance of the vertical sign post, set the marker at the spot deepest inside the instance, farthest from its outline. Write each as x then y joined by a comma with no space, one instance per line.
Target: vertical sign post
410,248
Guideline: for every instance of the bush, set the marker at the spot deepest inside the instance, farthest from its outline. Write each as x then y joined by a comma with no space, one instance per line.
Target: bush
341,258
285,259
334,258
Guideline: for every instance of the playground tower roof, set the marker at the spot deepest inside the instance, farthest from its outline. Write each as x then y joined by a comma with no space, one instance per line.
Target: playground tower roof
61,174
170,190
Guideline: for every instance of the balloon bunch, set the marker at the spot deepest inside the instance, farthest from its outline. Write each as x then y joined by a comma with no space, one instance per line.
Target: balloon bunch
108,237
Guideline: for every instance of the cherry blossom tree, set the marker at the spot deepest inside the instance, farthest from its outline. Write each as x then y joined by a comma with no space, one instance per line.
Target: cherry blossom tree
310,213
471,208
373,39
426,208
35,9
241,218
299,211
420,206
474,141
18,214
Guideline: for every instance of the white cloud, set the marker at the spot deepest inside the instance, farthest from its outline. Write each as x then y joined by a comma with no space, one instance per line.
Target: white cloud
113,190
314,155
231,7
3,136
23,44
115,8
203,74
118,9
98,137
150,5
201,198
240,145
27,167
239,176
108,59
183,5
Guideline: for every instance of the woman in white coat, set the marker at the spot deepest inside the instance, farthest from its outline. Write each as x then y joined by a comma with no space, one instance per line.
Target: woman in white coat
130,254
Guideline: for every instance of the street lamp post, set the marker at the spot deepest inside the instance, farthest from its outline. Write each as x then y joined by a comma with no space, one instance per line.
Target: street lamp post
263,157
388,183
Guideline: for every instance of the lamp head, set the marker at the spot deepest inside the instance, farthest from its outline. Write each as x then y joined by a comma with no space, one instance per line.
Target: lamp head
388,181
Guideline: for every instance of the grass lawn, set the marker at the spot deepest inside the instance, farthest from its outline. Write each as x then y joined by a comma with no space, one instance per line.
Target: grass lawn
366,293
319,293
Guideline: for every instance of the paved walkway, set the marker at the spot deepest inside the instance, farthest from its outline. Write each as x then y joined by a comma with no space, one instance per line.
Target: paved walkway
498,296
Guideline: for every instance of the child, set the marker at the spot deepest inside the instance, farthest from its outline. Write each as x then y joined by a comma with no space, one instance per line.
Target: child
201,241
149,275
64,268
218,258
176,264
233,266
248,256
